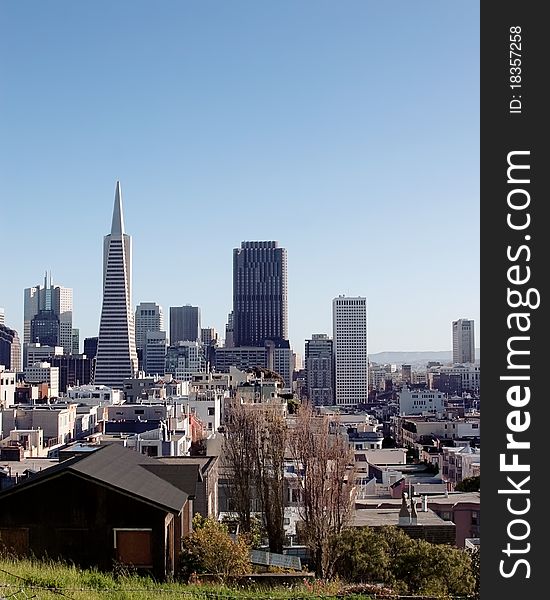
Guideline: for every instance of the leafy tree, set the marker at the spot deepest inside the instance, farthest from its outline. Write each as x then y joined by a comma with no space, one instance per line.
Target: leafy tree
292,406
431,468
470,484
210,549
364,556
476,563
388,556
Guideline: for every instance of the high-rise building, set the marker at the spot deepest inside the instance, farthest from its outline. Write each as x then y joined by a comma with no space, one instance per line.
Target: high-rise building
351,364
154,353
116,357
209,336
74,369
229,332
45,329
44,302
185,324
260,311
76,341
149,317
90,347
90,350
319,369
10,349
210,341
2,317
463,342
41,353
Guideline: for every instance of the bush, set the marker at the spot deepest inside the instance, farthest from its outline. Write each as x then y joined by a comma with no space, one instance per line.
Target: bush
470,484
388,556
210,549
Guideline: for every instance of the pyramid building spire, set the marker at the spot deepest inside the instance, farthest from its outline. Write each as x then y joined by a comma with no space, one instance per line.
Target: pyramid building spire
116,357
117,226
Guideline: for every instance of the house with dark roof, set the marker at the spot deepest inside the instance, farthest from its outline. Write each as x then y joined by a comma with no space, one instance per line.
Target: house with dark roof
102,508
196,475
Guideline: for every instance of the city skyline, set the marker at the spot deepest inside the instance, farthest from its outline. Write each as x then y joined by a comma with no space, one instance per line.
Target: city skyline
289,125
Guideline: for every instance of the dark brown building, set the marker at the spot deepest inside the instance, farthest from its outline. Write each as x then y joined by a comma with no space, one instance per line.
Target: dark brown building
105,508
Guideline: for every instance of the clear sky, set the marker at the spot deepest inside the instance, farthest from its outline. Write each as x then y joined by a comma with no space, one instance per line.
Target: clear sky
346,130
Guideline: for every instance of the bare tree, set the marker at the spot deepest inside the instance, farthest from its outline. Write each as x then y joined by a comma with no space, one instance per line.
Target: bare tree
269,473
325,465
254,449
240,437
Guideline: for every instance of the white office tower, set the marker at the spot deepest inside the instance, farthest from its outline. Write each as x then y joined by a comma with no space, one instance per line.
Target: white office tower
116,357
149,317
463,342
351,365
49,298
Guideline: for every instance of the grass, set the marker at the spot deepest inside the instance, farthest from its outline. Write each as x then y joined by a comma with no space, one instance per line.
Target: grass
27,578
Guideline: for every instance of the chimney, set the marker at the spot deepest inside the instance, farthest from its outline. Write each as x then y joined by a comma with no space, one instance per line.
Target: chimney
404,514
424,503
414,514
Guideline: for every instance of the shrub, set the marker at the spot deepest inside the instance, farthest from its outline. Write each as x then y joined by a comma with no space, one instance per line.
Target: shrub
210,549
388,556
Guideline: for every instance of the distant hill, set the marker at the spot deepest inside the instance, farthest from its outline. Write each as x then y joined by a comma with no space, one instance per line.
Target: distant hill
414,358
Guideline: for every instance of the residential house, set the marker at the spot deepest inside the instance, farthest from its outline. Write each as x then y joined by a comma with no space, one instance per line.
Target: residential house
103,508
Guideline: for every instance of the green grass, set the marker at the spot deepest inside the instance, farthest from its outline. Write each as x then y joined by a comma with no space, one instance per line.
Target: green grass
26,578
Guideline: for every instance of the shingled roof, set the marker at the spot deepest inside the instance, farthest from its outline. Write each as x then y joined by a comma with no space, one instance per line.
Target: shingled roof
120,469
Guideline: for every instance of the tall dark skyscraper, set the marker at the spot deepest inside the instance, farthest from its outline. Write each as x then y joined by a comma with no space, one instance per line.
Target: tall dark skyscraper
116,357
260,310
185,324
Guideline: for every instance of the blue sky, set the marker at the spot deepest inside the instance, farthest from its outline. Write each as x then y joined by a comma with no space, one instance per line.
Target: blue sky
348,131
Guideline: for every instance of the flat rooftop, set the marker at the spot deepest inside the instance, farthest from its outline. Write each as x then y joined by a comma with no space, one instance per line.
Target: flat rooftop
452,498
35,464
378,517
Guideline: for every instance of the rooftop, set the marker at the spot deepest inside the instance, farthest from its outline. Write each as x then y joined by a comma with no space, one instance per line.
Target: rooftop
378,517
120,469
452,498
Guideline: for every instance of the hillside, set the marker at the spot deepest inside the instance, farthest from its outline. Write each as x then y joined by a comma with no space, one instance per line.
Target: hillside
35,579
415,358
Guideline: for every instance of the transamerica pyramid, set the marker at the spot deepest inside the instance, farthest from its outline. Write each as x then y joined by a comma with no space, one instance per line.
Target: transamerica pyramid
116,357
